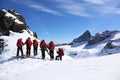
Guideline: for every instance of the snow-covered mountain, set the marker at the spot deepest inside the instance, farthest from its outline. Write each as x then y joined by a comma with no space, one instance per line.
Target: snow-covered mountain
79,63
83,60
104,43
12,21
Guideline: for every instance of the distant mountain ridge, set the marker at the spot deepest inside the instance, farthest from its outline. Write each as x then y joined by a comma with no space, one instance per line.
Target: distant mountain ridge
86,36
111,44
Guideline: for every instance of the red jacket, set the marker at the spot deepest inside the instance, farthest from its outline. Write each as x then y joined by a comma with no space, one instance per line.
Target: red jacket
60,52
19,43
43,44
35,43
51,45
28,43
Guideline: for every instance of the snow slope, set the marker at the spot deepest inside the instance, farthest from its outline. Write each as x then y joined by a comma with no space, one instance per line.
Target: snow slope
85,66
101,68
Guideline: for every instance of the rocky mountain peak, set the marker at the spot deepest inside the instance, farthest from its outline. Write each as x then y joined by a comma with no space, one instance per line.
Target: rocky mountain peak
91,40
101,36
84,37
11,20
13,12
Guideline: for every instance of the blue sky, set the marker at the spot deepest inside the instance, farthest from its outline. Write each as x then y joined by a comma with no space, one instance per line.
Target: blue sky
64,20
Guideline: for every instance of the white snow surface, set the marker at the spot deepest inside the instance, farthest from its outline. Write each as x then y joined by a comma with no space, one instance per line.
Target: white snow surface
85,66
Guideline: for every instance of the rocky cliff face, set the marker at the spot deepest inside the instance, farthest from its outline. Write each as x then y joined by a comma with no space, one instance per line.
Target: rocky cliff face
1,45
84,37
12,20
100,37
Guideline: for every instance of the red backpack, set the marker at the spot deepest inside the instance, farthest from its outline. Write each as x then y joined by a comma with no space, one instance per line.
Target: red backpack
61,52
51,46
35,43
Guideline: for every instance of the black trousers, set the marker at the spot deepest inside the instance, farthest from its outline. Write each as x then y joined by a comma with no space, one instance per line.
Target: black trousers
58,57
35,50
19,49
28,52
51,54
43,53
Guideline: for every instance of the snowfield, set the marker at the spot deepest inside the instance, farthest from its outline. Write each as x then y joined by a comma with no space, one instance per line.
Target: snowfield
77,64
101,68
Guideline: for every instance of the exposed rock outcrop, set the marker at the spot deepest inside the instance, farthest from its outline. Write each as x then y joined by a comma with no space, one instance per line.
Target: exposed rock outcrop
1,45
84,37
100,37
109,45
11,20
